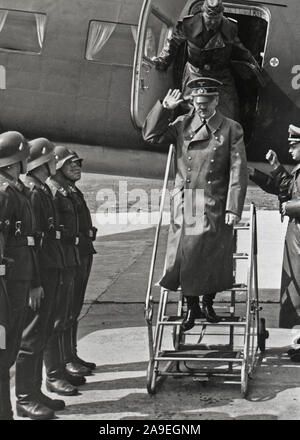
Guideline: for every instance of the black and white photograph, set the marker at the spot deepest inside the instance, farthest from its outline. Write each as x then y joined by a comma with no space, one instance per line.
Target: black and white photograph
149,214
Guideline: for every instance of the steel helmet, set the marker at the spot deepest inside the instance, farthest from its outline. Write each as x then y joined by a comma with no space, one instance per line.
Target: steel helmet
41,151
62,154
13,149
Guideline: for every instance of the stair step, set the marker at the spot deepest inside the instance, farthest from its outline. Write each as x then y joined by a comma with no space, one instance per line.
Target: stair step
204,347
240,256
225,321
201,355
238,287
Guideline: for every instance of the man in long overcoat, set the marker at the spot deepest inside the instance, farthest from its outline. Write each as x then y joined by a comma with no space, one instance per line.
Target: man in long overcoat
212,43
287,186
208,196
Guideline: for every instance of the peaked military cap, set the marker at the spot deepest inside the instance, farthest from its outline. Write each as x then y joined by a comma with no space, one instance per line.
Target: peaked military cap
63,154
204,86
13,148
41,151
213,8
294,134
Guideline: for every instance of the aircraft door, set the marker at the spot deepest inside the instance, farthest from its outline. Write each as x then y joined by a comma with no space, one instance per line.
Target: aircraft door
155,27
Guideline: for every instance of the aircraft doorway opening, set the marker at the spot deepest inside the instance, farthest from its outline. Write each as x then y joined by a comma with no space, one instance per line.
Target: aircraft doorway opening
158,20
253,23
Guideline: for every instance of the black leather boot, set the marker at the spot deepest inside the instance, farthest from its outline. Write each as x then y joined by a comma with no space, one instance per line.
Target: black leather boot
53,357
75,380
5,404
89,365
76,369
28,406
193,312
210,314
54,404
71,366
61,386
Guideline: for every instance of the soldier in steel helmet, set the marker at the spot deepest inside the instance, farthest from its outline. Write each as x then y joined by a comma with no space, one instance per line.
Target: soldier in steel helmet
87,234
62,373
20,241
31,402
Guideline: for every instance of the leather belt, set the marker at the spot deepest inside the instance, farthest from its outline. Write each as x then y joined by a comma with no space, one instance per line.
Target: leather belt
70,240
90,233
22,240
54,235
208,67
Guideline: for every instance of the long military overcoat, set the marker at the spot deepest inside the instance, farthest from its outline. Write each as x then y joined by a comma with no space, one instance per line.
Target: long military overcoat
212,160
288,184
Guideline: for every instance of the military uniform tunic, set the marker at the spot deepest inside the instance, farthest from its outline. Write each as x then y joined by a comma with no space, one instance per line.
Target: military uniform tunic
48,223
86,229
212,160
22,225
68,216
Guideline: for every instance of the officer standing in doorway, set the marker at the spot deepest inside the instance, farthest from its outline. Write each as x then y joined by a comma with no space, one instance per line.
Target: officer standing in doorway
212,43
31,402
22,278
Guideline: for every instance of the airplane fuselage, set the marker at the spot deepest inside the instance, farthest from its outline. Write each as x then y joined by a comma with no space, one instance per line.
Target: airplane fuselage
75,90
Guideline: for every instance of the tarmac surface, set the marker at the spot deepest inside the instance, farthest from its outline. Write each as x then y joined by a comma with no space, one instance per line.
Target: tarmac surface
113,334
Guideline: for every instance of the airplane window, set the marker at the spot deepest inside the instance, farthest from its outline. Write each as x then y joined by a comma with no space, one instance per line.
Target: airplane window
22,31
158,32
111,43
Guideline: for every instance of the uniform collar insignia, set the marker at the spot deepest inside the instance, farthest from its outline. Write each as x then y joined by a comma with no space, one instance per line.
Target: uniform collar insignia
32,181
18,185
72,188
6,180
54,185
3,183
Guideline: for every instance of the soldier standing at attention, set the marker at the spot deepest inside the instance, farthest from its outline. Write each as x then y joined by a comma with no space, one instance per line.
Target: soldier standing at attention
208,197
62,372
22,278
87,234
212,42
31,402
